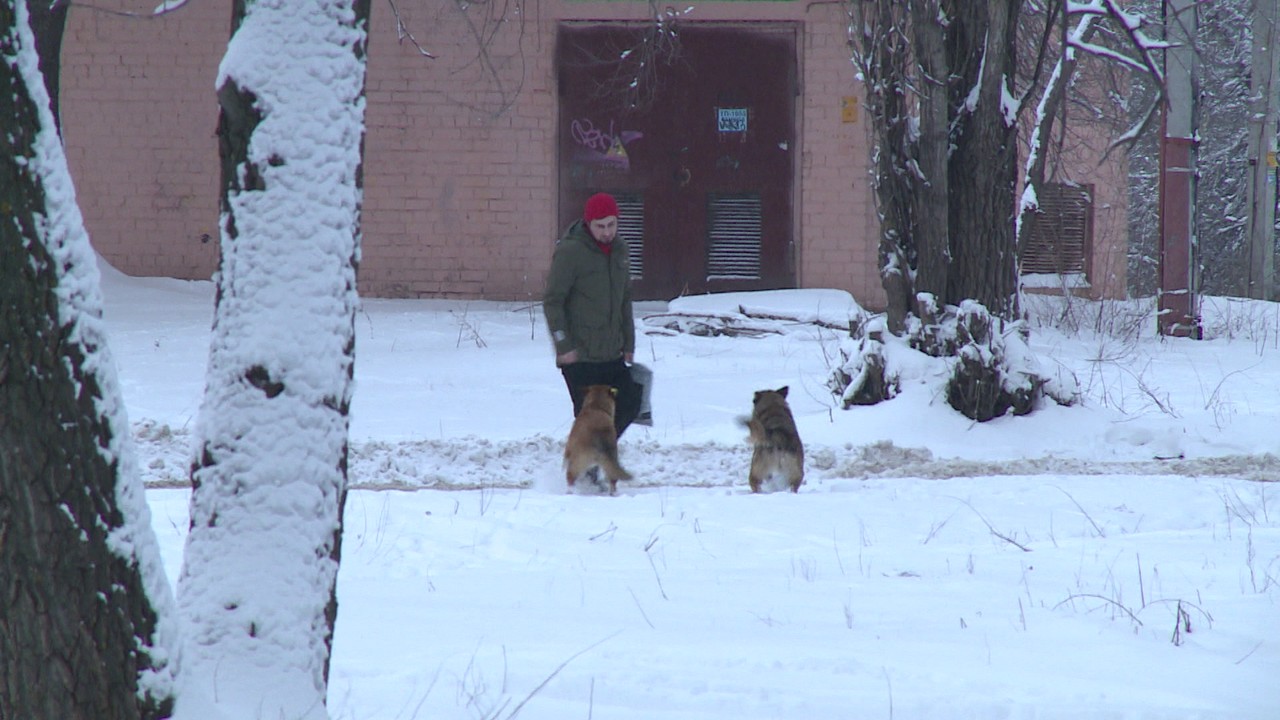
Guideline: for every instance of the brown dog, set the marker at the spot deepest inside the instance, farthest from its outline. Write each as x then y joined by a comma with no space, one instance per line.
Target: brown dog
778,459
593,443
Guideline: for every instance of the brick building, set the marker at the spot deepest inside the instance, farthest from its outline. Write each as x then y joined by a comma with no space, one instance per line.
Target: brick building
739,158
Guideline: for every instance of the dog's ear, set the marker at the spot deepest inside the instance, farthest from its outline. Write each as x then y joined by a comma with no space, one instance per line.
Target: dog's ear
783,390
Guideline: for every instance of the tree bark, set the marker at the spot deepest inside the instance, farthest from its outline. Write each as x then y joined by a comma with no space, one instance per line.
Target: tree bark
984,163
931,196
944,188
884,55
76,624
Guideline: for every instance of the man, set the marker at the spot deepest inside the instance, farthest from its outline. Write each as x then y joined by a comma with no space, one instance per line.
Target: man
587,303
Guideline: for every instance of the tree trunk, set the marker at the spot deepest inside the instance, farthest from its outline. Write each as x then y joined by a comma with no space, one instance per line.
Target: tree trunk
981,46
270,478
76,623
945,188
931,196
883,54
48,20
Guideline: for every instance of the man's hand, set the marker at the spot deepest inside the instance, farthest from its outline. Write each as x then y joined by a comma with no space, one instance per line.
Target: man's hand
568,358
628,358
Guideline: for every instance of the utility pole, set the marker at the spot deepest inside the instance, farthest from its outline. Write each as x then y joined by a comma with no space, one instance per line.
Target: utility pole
1265,86
1179,299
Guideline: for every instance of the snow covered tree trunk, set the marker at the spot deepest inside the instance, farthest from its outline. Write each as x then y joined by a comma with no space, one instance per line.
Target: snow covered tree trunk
85,610
270,472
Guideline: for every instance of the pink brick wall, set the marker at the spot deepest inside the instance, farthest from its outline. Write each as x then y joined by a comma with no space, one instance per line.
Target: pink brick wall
459,159
1109,263
460,178
838,219
460,150
138,117
1088,163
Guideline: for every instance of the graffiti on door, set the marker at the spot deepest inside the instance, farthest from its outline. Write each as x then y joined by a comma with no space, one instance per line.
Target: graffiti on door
598,146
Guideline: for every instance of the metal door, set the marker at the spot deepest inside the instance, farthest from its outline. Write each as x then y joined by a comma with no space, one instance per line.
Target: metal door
693,132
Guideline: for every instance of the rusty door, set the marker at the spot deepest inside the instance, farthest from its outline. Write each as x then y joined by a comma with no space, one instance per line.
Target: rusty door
694,133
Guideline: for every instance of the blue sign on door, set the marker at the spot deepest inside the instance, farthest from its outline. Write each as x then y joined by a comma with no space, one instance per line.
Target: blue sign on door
731,119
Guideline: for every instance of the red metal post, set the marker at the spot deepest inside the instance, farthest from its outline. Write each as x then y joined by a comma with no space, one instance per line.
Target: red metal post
1179,302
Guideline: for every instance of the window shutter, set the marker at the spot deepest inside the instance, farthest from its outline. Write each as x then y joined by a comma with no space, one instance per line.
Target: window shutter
733,242
631,229
1062,238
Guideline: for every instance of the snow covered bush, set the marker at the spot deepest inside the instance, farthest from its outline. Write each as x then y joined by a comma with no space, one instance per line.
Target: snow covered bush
995,371
990,369
862,377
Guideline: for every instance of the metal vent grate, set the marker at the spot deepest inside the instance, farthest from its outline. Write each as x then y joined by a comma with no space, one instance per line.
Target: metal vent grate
631,229
733,236
1060,240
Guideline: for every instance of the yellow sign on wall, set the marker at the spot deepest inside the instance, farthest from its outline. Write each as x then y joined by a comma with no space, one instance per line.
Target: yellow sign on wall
849,109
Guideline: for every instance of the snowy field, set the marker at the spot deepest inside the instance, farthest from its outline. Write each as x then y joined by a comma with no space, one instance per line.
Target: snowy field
1119,559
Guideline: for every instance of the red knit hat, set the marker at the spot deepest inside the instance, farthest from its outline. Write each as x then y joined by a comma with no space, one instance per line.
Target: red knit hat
600,205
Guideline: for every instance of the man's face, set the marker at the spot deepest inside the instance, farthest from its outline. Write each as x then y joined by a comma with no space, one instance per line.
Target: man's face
604,229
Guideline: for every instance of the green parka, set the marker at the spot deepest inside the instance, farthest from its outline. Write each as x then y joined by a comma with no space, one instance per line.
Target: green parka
587,300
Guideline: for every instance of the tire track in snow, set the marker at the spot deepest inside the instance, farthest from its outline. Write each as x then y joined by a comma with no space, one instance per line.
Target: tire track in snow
474,463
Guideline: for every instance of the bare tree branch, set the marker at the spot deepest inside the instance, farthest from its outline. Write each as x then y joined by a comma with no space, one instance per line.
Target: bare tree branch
402,31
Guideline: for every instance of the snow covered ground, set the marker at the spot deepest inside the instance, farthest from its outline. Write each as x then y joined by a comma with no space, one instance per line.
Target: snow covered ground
1115,559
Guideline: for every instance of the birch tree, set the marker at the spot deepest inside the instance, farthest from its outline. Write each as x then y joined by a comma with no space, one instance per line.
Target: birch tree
86,617
269,475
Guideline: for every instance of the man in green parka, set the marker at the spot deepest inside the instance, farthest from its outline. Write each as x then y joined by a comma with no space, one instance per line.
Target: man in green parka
588,308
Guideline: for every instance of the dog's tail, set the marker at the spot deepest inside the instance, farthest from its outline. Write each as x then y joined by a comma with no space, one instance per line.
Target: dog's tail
607,453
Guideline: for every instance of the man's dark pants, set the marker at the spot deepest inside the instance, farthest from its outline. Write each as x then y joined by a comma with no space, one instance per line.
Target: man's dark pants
580,375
